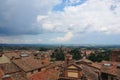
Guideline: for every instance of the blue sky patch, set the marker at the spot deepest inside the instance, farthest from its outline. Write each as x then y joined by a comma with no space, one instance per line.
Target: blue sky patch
64,3
113,7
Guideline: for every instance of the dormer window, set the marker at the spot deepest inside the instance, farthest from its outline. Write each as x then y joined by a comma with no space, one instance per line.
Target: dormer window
39,69
107,64
42,63
24,55
6,76
32,72
119,56
118,66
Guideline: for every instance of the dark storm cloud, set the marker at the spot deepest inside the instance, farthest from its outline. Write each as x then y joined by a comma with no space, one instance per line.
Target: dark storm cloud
19,16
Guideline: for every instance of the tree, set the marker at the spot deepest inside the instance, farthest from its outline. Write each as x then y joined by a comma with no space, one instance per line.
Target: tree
92,57
58,55
99,56
76,54
43,49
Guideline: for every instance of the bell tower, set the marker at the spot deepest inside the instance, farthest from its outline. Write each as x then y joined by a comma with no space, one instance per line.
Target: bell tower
68,58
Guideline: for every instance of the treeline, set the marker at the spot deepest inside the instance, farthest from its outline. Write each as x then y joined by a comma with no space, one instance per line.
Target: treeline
100,56
59,54
26,47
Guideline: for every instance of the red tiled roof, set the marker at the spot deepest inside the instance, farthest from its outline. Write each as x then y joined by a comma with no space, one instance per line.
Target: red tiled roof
84,60
29,63
45,75
12,54
1,73
15,76
54,64
112,69
89,72
9,68
18,76
7,78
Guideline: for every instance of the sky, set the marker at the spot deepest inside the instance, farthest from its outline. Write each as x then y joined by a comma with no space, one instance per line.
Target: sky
60,22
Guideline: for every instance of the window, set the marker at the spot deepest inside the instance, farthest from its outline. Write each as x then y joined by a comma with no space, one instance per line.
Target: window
104,76
32,72
73,74
118,66
39,69
107,64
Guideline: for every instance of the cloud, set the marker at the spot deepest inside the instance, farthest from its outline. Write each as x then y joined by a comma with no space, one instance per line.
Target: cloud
48,26
68,36
20,17
54,18
91,16
17,17
19,40
41,18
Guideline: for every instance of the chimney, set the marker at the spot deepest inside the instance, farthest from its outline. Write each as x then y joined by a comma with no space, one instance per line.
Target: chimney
68,58
42,62
1,53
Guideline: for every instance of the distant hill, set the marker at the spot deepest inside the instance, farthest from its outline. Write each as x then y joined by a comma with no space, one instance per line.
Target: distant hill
62,45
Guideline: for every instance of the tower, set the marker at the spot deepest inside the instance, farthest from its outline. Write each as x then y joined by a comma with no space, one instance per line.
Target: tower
68,58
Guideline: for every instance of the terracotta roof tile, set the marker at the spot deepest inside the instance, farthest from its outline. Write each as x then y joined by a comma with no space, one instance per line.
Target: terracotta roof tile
1,73
45,75
112,69
54,64
7,78
9,68
12,54
18,76
29,63
89,72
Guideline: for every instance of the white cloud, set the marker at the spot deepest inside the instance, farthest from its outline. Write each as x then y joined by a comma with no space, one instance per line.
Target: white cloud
48,26
39,18
92,16
19,40
68,36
